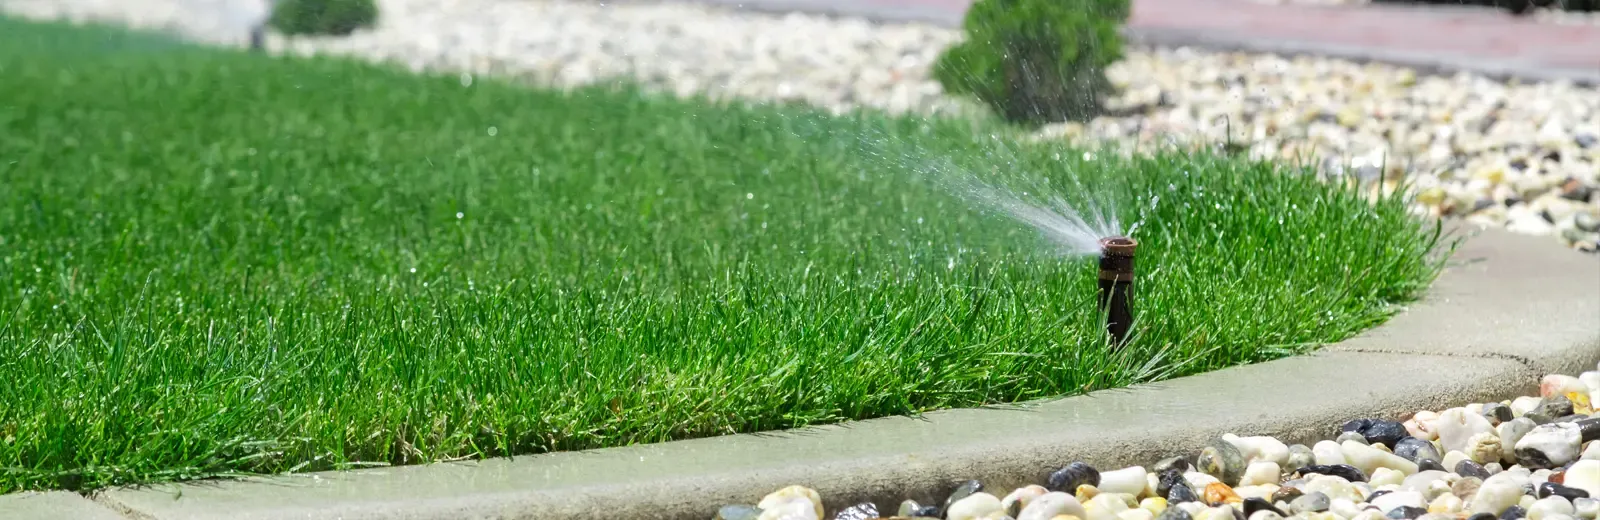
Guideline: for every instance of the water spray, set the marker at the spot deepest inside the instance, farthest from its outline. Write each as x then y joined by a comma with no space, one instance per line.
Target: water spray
1116,285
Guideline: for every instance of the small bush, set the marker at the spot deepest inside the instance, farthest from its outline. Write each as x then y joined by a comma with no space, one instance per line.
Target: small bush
1036,61
323,17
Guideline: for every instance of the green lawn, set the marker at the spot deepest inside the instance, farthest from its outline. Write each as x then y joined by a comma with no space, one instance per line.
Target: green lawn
215,262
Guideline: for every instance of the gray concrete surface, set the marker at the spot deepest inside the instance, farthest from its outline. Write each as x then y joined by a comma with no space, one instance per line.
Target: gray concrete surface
1447,350
53,505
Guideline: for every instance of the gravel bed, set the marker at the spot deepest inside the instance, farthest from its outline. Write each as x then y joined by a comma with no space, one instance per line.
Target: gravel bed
1525,156
1533,457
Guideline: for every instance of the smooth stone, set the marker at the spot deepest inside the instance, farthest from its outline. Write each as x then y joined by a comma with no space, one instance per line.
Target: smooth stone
738,512
789,509
786,499
1484,447
1584,475
1221,459
1417,450
1259,448
1104,507
1173,513
1549,489
1384,432
1264,515
1367,458
975,506
1495,496
1253,505
1217,513
1344,508
1327,453
1557,405
1385,477
961,492
1446,504
1286,494
1419,482
1198,480
1406,513
1591,451
1262,472
1300,456
1262,491
1587,508
1494,467
1217,493
1181,493
1465,487
1456,426
1154,504
1482,516
1469,468
1524,404
862,511
909,508
1049,505
1314,502
1073,475
1166,479
1454,458
1549,445
1136,514
1547,506
1510,433
1430,465
1129,481
1514,512
1334,487
1018,499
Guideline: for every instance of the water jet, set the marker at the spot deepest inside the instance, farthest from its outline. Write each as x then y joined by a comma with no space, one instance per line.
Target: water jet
1116,285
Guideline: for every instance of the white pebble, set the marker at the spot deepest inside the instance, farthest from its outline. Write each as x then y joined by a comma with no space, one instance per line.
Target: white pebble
1559,442
1456,426
1198,481
1495,496
1344,507
1023,496
1136,514
1452,458
977,506
792,500
1049,505
1369,459
1551,505
1130,481
1327,453
1585,475
1260,448
1591,451
1334,487
1386,476
1522,405
1420,481
1446,504
1587,508
1560,384
1264,472
1105,506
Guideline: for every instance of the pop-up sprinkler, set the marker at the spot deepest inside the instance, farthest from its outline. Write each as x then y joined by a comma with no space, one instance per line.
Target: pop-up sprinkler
1116,285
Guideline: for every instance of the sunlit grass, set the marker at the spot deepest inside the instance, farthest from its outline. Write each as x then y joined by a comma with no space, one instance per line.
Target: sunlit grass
217,262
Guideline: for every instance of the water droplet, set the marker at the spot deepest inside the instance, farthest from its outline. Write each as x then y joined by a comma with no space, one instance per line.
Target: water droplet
919,220
466,79
749,196
413,269
493,131
460,215
763,225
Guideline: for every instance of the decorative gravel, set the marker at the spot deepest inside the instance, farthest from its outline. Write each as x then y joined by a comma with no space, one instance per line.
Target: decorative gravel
1542,14
1534,457
1522,156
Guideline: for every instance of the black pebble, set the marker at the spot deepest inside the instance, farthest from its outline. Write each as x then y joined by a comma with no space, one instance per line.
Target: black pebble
1181,493
1182,464
1589,429
1069,478
1585,140
1554,406
1348,472
1406,512
1468,468
928,512
1481,516
1253,504
1497,413
1386,433
1430,464
1166,479
1513,513
1570,493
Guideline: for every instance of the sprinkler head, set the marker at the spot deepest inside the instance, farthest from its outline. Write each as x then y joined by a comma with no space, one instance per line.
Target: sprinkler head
1116,285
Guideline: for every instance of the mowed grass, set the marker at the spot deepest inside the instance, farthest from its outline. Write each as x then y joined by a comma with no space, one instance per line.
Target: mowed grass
213,262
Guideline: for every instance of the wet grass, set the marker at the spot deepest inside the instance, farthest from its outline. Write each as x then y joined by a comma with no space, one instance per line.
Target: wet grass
213,262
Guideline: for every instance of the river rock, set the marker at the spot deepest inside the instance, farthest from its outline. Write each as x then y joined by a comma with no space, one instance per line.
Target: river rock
1313,502
1457,426
1131,481
1221,459
1511,432
1073,475
1549,445
1547,506
1013,503
1300,456
975,506
1105,507
791,500
1584,475
862,511
1587,508
1367,458
738,512
1328,453
1261,472
1050,505
1396,499
1416,450
1548,489
1260,448
1494,497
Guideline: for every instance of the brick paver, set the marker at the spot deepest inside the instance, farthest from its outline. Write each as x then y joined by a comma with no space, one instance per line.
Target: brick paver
1480,40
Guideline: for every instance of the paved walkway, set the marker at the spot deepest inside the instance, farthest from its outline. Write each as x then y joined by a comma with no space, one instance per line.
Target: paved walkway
1480,40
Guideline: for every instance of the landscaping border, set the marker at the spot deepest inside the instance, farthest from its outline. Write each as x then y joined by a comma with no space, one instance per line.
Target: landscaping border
1509,309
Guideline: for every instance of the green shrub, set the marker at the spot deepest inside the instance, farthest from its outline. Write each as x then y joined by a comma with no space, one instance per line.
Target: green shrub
1036,61
324,17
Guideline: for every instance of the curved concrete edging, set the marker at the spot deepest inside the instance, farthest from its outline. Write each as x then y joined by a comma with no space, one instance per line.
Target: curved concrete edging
1510,309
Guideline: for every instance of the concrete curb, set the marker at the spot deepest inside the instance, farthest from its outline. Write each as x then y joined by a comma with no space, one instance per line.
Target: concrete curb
1512,309
1225,41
